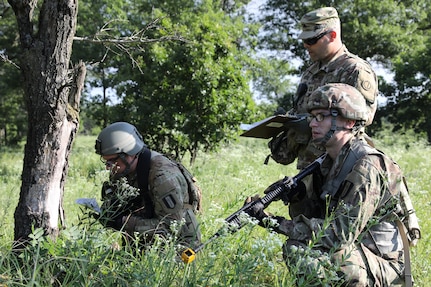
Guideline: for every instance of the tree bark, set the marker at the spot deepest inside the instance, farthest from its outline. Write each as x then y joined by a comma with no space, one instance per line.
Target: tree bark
52,91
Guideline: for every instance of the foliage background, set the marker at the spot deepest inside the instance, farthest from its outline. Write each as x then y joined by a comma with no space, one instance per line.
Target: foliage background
84,255
222,53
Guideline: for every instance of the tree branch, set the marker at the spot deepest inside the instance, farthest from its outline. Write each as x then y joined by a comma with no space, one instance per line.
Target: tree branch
127,44
6,59
103,36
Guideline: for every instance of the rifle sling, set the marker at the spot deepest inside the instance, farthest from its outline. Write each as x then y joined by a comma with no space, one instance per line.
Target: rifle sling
143,171
407,265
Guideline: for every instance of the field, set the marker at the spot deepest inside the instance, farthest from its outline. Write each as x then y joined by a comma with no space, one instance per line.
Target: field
87,255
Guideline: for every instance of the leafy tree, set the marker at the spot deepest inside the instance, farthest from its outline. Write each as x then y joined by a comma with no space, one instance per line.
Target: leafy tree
412,88
191,94
100,24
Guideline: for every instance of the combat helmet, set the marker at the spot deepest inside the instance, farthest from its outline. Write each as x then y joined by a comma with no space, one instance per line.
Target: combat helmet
119,137
345,99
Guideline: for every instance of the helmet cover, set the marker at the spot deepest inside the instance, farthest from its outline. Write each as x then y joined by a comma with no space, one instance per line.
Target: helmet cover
346,99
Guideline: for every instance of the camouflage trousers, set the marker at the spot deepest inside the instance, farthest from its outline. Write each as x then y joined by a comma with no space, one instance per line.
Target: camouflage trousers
355,266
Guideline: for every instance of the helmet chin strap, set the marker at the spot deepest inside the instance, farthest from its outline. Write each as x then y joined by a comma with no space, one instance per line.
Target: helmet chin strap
127,164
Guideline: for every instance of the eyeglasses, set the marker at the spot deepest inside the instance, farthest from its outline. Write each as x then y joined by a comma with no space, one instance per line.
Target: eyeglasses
312,41
319,117
109,162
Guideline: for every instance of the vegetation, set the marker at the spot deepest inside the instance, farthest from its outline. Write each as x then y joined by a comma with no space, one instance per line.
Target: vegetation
170,87
128,78
87,255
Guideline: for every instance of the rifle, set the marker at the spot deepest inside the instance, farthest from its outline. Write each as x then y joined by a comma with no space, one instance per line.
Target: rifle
234,219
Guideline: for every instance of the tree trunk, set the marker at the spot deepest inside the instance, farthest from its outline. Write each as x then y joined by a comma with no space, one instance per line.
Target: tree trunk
52,91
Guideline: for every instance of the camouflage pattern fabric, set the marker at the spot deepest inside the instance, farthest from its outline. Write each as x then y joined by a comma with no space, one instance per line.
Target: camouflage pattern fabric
359,236
318,21
346,68
173,215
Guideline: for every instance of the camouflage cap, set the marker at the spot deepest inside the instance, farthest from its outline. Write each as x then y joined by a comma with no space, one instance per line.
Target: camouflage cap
342,97
318,21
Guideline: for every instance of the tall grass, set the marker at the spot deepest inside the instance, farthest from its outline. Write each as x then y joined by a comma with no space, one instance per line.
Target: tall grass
87,255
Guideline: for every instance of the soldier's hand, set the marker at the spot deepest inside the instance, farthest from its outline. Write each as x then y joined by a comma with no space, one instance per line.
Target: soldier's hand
297,189
107,190
282,183
279,111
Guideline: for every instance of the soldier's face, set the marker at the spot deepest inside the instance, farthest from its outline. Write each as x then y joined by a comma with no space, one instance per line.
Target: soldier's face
320,123
320,49
116,164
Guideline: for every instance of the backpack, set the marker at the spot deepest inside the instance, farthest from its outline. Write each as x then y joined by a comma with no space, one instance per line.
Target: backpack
194,191
406,214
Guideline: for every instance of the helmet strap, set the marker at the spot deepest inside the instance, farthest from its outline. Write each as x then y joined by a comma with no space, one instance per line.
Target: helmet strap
127,164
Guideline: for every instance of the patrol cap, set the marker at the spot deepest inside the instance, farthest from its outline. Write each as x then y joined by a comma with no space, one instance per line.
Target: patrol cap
346,99
318,21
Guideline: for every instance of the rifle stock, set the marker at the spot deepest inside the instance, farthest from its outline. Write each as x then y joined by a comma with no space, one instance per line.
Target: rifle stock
234,219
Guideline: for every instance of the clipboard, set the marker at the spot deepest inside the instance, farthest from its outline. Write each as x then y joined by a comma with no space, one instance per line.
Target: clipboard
270,127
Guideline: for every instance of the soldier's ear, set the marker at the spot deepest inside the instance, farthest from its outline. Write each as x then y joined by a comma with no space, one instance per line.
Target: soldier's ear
332,35
349,124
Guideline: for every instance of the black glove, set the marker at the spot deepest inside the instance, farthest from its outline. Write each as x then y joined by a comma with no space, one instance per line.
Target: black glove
257,210
296,192
279,111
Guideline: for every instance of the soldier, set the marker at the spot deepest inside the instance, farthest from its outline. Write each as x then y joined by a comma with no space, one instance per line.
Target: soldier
332,63
351,224
147,193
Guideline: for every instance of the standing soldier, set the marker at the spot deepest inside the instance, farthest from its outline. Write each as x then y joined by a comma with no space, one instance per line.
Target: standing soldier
332,63
147,194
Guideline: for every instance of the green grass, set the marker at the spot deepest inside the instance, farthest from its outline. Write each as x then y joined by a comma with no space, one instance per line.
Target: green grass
85,254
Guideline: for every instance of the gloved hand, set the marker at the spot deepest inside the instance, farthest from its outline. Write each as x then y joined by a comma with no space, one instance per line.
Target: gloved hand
279,111
257,210
296,192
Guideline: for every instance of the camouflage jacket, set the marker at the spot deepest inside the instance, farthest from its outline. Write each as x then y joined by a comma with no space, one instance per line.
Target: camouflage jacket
169,197
345,67
361,209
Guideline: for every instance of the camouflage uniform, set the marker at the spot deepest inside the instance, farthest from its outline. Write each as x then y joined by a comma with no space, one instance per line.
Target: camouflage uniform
168,192
344,67
361,237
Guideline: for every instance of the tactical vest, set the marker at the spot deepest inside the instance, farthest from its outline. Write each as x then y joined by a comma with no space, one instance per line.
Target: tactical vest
195,192
143,169
404,210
